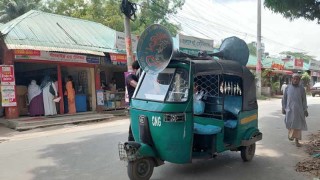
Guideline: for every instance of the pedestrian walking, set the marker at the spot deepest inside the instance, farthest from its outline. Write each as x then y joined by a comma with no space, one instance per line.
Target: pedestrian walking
283,87
294,106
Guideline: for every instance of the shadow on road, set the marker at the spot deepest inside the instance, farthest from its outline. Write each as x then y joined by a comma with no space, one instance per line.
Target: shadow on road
92,157
96,157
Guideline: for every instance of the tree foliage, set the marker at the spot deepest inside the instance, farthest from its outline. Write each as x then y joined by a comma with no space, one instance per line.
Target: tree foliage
299,55
10,9
108,12
293,9
252,48
305,78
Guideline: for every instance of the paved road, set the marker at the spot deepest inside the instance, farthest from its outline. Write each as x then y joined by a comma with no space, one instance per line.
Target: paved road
90,152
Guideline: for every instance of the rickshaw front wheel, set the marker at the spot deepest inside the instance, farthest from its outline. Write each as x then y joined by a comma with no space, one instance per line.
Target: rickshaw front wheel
247,152
140,169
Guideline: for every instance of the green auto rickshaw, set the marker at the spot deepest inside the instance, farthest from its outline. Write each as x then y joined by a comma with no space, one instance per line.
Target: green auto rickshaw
186,107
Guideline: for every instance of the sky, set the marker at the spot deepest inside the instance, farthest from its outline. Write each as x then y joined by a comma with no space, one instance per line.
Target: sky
219,19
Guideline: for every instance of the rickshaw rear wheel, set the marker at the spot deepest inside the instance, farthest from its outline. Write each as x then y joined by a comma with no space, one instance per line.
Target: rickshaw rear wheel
247,152
140,169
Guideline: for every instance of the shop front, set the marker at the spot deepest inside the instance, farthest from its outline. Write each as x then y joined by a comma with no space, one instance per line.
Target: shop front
112,78
112,73
37,66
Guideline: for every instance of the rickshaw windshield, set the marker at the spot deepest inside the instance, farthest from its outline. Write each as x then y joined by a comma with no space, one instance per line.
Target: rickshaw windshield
169,85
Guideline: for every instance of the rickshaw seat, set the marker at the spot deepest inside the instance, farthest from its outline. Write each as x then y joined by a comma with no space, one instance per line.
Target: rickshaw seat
233,104
206,129
231,123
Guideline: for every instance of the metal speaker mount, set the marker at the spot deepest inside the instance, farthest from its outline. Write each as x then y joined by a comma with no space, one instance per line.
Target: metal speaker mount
234,49
155,49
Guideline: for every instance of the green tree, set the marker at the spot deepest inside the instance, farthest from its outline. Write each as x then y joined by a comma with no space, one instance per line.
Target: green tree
293,9
108,12
10,9
252,48
305,78
300,55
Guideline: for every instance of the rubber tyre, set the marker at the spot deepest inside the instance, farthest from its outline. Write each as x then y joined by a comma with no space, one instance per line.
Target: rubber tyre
247,152
140,169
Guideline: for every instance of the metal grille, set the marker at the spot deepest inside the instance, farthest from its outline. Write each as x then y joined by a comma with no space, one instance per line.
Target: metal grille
122,152
210,84
127,152
213,89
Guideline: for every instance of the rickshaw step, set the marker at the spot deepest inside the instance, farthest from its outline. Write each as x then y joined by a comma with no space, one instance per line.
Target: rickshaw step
201,156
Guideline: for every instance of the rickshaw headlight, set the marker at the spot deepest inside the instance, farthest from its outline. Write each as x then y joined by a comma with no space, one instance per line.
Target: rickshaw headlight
181,117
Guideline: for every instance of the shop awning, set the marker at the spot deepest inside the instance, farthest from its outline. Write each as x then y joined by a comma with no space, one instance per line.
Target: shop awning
37,30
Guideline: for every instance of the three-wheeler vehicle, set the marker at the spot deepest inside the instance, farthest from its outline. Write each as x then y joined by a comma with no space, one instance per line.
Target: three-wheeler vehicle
186,108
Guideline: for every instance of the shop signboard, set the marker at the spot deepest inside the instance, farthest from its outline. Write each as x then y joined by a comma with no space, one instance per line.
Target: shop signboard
55,56
7,75
100,98
298,64
314,65
121,43
315,73
122,58
119,59
277,66
8,96
193,45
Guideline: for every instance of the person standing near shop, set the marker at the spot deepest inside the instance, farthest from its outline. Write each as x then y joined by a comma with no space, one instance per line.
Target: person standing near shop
71,95
35,99
294,106
49,92
131,84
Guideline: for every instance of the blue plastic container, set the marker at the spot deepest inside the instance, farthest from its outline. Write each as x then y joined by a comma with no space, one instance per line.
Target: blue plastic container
81,102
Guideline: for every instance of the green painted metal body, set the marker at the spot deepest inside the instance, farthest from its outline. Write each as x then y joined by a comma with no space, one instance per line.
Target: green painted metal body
173,141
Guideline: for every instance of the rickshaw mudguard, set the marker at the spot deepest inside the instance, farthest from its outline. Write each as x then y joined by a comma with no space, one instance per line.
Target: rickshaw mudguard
146,151
248,128
251,136
131,151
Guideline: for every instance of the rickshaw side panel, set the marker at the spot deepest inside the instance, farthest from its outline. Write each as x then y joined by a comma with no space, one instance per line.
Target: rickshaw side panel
248,121
215,122
172,141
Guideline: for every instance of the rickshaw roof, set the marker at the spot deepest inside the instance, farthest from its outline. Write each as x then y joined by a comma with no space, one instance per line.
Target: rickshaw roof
209,66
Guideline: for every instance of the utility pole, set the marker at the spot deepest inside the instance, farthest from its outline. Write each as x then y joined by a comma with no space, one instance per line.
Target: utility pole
259,52
127,30
126,9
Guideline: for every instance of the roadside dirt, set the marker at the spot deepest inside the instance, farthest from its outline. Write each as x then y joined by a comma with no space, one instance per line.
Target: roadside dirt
312,163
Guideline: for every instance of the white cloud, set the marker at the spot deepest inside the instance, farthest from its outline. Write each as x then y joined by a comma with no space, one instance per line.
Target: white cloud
220,19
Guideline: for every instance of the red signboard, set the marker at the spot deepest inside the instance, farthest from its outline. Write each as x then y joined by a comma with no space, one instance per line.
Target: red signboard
277,66
7,75
119,57
298,63
26,52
